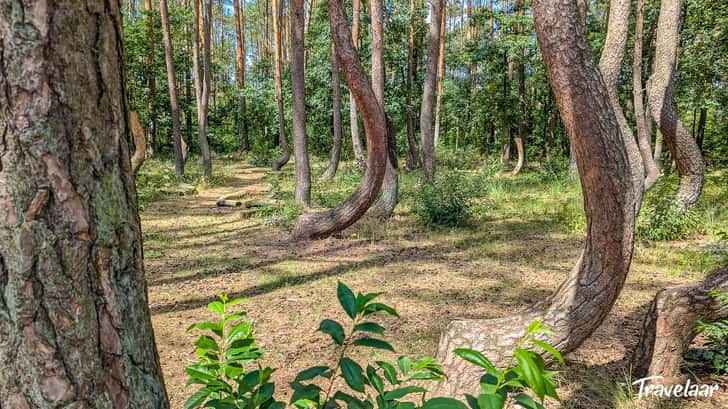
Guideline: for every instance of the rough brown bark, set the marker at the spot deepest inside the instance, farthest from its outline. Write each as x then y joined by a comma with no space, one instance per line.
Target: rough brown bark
441,75
137,133
302,192
338,134
282,141
179,144
239,17
201,24
75,327
151,80
611,179
353,118
683,149
322,224
644,127
387,202
413,152
428,90
669,326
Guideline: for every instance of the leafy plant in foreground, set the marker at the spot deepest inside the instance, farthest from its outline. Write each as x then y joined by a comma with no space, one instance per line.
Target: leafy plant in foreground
223,356
525,370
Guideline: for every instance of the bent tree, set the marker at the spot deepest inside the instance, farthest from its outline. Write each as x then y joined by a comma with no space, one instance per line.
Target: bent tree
75,328
611,177
322,224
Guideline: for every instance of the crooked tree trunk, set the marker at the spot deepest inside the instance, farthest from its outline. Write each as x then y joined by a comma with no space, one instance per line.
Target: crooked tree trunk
239,17
441,73
201,23
387,202
611,179
669,326
353,117
644,127
337,131
179,144
286,154
413,152
75,327
302,192
683,149
151,81
137,133
428,90
323,224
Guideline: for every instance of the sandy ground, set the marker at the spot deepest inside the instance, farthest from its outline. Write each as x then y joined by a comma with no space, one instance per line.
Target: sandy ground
195,250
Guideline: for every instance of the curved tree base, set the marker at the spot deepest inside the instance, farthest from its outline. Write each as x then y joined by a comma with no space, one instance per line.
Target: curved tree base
669,326
281,160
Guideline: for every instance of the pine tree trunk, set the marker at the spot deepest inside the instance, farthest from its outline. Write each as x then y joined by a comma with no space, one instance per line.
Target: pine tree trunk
151,81
611,179
428,93
413,152
201,24
75,326
353,117
322,224
440,77
282,141
683,149
239,16
338,135
179,160
302,192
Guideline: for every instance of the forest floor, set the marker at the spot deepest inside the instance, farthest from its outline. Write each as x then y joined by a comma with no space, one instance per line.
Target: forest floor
517,249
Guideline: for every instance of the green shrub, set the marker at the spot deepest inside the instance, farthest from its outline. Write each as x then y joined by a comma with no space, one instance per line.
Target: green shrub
280,214
263,155
666,222
715,350
444,201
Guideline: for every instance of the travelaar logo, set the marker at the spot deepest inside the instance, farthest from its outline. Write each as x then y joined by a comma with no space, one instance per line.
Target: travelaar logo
687,390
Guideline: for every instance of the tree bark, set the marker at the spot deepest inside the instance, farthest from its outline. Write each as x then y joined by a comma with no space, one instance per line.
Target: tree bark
521,68
353,118
201,24
644,127
611,179
441,75
179,155
338,135
428,93
669,326
413,152
151,80
137,133
302,192
322,224
75,326
286,154
683,149
387,202
239,16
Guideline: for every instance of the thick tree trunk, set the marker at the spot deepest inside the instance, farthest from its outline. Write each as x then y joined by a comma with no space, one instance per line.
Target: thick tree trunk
441,76
338,135
179,155
201,24
428,92
644,127
323,224
302,192
413,152
683,149
611,179
239,17
353,118
286,154
390,189
75,327
669,326
151,81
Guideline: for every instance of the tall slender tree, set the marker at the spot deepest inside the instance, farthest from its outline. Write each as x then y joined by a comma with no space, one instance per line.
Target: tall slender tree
151,81
337,131
282,141
75,325
240,53
353,117
428,93
179,143
441,73
302,192
413,152
201,39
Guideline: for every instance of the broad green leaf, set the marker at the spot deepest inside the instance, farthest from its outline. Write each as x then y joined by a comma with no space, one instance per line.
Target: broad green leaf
404,364
491,401
375,380
390,372
212,326
305,392
239,331
400,393
346,299
216,307
475,357
352,373
197,399
531,372
236,301
363,299
373,343
313,372
534,326
527,402
234,316
305,404
334,329
379,307
372,327
406,405
206,342
351,402
550,349
444,403
200,372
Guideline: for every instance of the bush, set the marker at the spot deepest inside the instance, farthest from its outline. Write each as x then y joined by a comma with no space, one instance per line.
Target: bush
444,201
666,222
715,351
